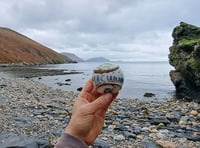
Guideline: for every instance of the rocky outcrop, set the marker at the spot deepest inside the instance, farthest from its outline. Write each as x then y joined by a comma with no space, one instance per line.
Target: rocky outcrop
185,58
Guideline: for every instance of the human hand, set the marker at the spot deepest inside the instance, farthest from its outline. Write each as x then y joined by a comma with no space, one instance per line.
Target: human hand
88,113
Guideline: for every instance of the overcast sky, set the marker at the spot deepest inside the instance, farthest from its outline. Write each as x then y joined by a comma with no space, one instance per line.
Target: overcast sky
131,30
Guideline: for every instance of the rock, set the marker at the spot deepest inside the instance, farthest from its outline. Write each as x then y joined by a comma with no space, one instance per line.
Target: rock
79,89
160,126
188,136
22,141
157,120
129,135
149,95
185,57
2,85
182,123
166,144
148,144
120,128
119,137
67,80
61,84
194,113
140,137
173,117
3,99
99,143
23,119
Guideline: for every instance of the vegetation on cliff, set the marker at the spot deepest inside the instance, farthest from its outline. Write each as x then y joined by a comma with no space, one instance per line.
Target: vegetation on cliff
17,48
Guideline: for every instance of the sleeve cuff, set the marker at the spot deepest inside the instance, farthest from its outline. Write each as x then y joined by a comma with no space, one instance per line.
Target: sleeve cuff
69,141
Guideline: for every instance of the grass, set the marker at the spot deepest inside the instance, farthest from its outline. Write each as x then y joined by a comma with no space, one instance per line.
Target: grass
188,41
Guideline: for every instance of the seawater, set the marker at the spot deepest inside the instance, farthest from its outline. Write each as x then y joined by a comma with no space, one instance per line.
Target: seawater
139,78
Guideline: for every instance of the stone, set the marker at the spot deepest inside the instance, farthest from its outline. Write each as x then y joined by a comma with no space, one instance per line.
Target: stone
185,58
158,119
182,123
188,136
4,99
129,135
2,85
23,119
99,143
79,89
140,137
148,144
22,141
173,117
166,144
148,95
194,113
119,137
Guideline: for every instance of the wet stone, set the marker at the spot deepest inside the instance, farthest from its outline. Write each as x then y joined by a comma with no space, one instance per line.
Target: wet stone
157,120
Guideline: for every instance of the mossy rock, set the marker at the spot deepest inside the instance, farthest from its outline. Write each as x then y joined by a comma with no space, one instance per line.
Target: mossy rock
185,57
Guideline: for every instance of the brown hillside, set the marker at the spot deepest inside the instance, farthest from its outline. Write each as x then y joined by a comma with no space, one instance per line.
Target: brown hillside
15,48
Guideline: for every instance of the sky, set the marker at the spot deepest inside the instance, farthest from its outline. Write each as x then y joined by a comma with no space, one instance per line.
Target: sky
120,30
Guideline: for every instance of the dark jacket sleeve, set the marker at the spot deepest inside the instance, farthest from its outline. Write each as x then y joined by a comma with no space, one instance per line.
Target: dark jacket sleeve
69,141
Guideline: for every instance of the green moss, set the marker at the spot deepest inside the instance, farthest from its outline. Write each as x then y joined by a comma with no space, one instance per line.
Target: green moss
194,64
189,41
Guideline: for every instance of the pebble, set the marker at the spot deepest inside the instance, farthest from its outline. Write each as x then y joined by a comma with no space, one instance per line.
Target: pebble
32,109
194,113
119,137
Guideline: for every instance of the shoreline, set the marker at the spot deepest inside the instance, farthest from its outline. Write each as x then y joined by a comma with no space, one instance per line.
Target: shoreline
74,78
34,109
35,71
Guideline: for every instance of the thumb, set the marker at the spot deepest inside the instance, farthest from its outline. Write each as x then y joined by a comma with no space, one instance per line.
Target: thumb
102,102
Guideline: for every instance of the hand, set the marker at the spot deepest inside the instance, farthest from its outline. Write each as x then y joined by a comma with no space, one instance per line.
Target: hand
88,113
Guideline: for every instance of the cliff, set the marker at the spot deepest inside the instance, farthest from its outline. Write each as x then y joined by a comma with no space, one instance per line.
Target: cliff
17,48
185,57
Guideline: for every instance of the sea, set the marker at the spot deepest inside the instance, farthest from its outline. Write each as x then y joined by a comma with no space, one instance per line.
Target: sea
139,78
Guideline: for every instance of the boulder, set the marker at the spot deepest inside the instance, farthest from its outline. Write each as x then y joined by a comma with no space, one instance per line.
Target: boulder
8,140
184,56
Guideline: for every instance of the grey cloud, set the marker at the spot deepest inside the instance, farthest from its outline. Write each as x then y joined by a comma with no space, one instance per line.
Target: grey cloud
126,28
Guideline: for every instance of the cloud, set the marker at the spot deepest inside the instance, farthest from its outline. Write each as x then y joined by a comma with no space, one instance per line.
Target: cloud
118,30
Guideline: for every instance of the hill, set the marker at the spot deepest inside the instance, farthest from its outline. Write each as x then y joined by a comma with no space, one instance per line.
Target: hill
98,59
17,48
72,56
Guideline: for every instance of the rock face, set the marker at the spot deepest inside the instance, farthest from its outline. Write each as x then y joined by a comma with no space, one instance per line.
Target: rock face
185,57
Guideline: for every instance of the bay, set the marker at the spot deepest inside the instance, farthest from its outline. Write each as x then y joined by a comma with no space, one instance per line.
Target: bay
139,78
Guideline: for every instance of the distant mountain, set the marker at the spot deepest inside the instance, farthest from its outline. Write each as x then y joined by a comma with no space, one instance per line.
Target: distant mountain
17,48
98,59
72,56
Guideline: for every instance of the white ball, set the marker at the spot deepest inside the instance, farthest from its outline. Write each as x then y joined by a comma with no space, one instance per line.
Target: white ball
108,78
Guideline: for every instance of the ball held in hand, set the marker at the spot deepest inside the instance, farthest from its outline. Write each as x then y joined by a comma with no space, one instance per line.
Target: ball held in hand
108,78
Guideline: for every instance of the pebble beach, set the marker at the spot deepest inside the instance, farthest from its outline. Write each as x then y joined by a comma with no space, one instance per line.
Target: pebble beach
31,109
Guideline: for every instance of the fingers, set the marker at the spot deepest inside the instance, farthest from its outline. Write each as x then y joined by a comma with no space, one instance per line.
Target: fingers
88,86
102,102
